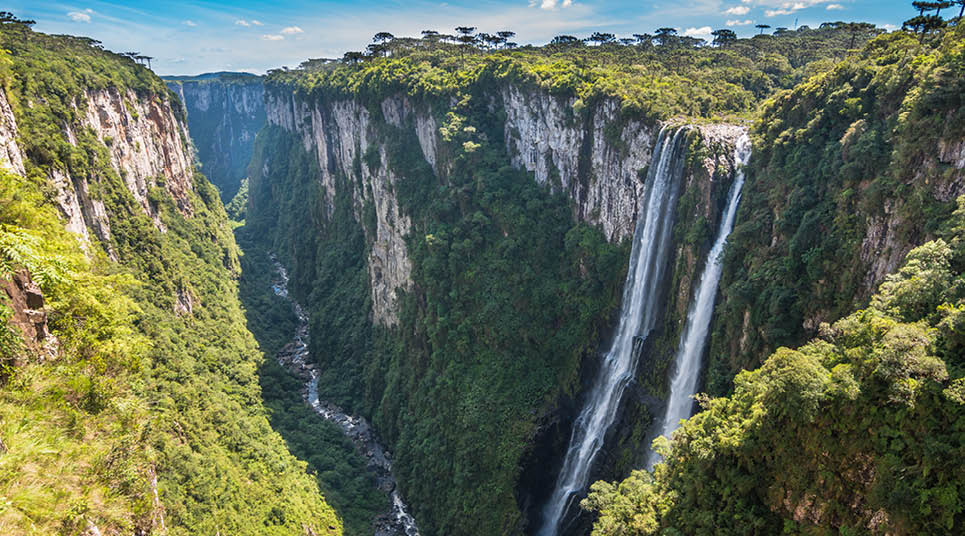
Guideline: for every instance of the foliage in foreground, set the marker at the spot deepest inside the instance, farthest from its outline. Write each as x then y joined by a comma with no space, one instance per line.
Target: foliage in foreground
859,431
138,390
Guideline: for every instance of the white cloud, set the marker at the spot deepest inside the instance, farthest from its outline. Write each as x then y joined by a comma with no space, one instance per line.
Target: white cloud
746,22
550,5
737,10
81,16
256,22
700,33
787,7
292,30
241,22
190,23
272,37
834,6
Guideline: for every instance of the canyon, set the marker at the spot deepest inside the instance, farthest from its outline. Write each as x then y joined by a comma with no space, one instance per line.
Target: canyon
512,287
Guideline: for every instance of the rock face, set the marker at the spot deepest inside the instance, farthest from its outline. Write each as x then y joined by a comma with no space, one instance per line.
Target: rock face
146,145
11,158
599,162
225,113
341,135
146,141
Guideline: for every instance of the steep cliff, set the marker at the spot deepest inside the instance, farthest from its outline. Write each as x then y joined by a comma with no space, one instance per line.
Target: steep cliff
225,111
415,204
134,406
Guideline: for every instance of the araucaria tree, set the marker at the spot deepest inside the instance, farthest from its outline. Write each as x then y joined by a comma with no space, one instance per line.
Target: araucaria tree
724,37
665,35
601,38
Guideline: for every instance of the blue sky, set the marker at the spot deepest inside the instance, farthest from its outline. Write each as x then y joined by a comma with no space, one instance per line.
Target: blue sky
247,35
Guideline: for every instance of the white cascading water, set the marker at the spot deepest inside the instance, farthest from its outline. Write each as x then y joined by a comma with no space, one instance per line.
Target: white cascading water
638,312
683,386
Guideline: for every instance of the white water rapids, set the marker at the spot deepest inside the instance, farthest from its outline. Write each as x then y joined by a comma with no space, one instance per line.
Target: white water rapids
293,357
638,314
683,387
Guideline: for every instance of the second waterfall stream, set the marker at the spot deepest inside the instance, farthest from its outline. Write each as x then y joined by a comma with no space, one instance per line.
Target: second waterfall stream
687,363
638,315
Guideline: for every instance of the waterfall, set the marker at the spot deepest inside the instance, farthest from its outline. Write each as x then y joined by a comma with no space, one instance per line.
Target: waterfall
638,312
694,338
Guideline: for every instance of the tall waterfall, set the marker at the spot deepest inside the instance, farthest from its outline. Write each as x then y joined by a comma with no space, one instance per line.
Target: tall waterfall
694,338
638,312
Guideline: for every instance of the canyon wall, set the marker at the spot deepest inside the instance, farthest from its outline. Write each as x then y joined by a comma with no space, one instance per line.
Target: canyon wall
225,112
600,162
835,200
146,146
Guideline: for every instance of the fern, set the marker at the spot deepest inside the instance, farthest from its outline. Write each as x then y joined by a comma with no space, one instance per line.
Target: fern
21,248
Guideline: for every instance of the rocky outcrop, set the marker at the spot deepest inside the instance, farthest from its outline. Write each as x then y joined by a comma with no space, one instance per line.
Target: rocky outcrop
599,159
26,301
11,158
225,113
146,141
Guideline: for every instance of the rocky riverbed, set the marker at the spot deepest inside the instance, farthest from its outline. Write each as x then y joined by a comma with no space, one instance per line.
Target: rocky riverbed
294,357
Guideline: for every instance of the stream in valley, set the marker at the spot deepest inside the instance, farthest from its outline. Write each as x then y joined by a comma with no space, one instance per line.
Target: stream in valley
294,357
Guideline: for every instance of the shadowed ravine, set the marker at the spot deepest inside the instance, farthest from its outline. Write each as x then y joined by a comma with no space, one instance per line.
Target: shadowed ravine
294,358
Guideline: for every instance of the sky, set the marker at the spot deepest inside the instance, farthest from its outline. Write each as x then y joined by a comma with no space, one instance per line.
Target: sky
254,36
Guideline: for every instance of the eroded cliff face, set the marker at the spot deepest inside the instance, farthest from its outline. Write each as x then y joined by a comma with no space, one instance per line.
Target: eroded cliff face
224,115
599,161
11,158
146,145
147,142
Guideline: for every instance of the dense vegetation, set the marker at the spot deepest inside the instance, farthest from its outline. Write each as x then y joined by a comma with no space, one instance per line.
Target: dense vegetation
853,153
137,390
857,432
656,81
